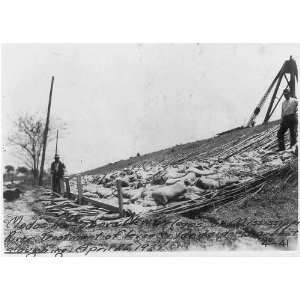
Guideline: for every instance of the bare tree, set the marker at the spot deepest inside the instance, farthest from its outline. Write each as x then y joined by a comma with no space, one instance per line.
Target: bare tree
28,138
9,169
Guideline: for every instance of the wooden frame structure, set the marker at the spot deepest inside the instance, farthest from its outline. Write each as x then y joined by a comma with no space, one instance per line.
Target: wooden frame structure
289,72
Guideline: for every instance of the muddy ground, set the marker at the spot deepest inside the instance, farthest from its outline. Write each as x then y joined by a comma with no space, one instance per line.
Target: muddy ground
265,221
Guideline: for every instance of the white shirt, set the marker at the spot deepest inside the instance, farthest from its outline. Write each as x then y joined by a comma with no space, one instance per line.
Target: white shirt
56,165
289,107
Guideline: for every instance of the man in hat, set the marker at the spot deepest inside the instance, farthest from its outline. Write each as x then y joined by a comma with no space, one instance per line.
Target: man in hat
57,171
289,120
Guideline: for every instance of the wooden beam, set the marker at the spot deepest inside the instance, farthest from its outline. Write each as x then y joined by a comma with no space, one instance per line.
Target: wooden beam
95,202
262,101
120,198
100,204
268,116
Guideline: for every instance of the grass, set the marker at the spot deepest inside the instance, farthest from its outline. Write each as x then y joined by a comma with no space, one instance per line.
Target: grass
270,216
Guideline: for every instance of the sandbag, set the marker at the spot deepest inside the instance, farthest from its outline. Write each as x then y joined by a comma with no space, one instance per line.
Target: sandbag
173,173
187,179
194,189
171,181
158,179
204,172
103,192
225,181
124,182
206,183
165,194
133,195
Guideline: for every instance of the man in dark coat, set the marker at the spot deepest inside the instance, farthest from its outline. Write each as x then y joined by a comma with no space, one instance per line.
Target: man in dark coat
57,171
289,120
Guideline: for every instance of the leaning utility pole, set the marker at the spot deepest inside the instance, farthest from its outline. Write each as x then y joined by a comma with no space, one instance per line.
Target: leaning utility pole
56,142
46,134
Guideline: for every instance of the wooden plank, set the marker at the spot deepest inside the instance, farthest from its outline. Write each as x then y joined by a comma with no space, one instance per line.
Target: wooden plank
96,203
100,204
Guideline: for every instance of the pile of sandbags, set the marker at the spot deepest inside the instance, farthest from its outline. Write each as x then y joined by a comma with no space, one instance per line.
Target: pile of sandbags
165,194
159,184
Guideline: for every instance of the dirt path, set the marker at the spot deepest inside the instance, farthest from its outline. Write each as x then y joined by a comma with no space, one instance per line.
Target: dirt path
27,231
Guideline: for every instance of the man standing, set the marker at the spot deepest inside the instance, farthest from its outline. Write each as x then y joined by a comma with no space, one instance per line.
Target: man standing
288,120
57,171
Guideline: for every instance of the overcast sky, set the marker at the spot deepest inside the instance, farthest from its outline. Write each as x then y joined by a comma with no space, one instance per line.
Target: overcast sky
121,99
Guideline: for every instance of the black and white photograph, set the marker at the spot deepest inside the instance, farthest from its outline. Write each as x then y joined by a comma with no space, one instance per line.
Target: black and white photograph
149,148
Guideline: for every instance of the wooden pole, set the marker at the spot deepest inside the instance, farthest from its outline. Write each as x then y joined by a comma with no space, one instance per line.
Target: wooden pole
263,100
56,142
68,190
120,197
268,116
79,189
46,134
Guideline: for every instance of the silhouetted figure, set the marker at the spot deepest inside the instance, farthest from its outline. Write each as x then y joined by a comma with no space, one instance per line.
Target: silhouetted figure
57,171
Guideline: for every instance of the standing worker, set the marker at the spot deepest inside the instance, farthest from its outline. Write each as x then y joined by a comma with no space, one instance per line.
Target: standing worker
289,120
57,171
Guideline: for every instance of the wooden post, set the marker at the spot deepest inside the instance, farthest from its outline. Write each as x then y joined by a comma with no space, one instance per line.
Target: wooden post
46,134
56,142
120,197
68,190
79,189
